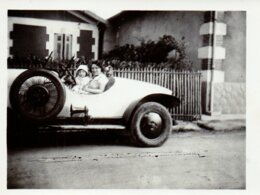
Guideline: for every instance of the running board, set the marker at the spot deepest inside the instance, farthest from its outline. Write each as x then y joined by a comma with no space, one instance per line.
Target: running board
78,128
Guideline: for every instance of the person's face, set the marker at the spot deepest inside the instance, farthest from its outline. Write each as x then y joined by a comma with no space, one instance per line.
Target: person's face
109,72
96,70
82,73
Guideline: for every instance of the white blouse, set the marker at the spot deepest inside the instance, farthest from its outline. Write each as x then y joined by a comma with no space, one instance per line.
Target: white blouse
98,82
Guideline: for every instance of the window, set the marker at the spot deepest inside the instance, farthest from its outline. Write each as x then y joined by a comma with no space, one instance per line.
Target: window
62,46
28,41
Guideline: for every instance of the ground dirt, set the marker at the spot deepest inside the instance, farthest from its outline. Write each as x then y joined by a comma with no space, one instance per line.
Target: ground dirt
188,160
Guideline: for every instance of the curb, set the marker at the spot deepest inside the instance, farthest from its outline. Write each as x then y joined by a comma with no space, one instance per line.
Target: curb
227,124
183,126
223,125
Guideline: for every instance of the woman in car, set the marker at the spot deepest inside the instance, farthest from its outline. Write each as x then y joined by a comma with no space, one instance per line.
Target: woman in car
98,82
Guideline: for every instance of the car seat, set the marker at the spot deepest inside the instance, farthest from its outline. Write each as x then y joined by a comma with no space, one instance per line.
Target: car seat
110,83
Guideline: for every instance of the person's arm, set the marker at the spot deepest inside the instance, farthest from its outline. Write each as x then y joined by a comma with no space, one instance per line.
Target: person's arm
102,85
80,91
95,91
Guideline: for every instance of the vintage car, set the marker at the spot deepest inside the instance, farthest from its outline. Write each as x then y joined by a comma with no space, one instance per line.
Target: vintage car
39,97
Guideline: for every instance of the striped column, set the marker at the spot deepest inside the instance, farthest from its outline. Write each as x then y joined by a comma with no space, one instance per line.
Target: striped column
212,53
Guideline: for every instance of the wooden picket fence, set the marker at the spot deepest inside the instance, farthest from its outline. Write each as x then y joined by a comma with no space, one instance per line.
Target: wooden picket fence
185,85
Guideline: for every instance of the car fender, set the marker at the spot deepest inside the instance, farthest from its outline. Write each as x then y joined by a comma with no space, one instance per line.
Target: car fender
166,100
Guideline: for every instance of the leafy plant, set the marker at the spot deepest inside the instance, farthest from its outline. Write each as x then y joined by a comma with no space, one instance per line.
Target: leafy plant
149,54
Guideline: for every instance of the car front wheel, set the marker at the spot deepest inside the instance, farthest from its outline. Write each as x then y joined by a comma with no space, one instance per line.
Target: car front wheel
151,124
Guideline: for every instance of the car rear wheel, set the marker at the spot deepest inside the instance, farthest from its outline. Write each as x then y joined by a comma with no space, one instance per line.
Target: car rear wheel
151,124
37,95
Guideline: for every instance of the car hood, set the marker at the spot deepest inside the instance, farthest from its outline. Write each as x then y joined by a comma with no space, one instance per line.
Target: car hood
135,85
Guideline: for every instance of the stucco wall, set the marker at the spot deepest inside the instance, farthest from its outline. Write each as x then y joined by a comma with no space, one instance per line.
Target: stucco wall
183,25
109,39
55,26
229,98
235,43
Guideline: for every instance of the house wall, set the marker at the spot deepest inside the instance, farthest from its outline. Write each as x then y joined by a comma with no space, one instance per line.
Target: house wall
230,95
151,25
229,98
234,65
109,39
55,26
229,87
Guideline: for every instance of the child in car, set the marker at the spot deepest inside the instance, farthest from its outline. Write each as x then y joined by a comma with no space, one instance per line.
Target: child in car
82,77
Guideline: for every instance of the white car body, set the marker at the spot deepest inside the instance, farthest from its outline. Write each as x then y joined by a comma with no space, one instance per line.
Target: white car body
113,102
39,97
110,104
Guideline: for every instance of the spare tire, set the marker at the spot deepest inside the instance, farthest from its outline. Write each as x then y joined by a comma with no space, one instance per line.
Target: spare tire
37,95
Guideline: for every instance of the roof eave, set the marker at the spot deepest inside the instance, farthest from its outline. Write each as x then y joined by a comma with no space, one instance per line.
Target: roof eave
88,17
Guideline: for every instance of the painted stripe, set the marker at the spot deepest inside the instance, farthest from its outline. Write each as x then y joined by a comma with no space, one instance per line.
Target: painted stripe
218,76
209,16
206,64
206,52
207,28
208,40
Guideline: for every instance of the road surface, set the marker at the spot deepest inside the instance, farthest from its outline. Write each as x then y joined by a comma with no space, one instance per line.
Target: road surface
188,160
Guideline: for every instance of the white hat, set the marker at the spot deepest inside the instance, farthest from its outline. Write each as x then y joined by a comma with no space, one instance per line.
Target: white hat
82,67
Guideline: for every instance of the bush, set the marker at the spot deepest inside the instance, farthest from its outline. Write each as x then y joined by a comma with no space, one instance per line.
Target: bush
150,54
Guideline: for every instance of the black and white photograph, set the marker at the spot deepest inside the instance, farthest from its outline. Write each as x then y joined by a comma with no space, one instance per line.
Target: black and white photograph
126,98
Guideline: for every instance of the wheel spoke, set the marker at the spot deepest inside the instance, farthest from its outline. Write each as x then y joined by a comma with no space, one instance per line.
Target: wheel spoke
54,95
52,100
26,106
23,100
32,81
49,106
43,109
26,85
50,86
40,80
22,91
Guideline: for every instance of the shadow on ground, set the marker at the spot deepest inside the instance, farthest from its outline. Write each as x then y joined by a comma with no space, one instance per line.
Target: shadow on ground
35,138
